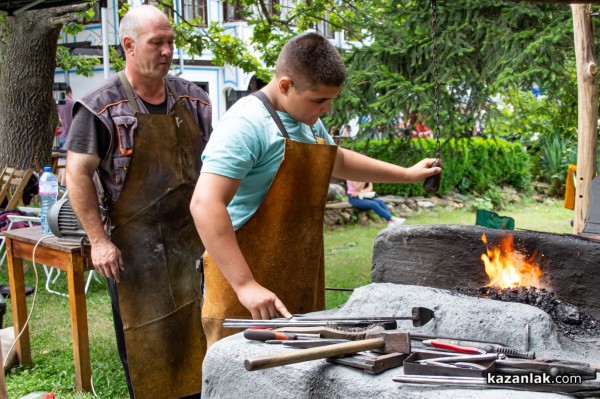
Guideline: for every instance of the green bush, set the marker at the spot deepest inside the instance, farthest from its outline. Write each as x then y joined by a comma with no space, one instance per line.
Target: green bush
471,166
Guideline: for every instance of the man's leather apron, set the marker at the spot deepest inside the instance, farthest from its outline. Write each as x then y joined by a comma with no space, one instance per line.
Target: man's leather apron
160,288
282,242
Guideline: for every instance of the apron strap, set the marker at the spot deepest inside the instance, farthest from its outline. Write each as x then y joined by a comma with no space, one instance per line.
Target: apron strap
171,89
129,91
265,100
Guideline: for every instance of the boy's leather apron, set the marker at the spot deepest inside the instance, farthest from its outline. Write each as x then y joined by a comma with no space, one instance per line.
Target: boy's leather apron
160,288
282,242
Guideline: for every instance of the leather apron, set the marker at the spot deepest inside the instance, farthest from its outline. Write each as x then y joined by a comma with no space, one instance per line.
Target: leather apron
282,242
160,289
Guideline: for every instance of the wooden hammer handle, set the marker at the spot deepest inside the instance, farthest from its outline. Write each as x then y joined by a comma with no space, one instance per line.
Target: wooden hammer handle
265,362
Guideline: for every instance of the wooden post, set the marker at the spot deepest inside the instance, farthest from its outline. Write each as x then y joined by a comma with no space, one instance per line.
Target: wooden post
3,393
587,129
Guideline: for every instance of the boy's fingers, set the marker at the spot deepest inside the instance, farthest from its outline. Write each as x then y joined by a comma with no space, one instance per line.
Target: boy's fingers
282,309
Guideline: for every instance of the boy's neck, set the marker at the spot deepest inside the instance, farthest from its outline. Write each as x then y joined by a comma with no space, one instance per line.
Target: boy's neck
272,91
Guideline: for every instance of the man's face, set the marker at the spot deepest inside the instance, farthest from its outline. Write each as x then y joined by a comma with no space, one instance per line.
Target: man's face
309,105
153,51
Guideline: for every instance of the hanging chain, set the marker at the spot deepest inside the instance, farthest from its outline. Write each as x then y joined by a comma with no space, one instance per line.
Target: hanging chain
436,85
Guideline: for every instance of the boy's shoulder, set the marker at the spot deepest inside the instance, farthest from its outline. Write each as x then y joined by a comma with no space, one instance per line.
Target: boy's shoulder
248,109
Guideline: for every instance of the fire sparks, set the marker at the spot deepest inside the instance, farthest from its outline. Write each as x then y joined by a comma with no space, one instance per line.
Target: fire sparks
508,268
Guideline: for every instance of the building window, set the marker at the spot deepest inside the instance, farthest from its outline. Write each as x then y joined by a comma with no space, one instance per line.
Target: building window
193,9
232,10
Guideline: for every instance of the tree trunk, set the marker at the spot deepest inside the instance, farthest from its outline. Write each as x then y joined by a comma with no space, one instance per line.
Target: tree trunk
28,112
587,130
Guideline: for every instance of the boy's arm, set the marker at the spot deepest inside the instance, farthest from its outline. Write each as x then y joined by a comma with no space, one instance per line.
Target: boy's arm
209,210
350,165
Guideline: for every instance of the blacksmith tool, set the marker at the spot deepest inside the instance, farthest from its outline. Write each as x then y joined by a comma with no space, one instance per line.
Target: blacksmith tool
551,367
420,316
436,380
383,341
336,332
463,346
267,335
585,389
309,343
466,358
388,324
370,363
454,347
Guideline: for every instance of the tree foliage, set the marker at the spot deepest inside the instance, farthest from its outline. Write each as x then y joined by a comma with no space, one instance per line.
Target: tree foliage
483,47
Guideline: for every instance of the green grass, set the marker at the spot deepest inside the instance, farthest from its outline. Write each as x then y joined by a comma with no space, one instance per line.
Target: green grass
348,265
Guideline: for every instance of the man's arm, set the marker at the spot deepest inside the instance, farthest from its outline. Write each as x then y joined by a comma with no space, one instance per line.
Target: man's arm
106,257
350,165
209,209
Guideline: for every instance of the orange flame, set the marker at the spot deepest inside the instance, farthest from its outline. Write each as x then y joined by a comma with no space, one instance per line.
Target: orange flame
508,268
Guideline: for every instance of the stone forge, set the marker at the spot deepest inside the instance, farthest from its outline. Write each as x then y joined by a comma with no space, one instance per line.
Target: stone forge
396,257
449,257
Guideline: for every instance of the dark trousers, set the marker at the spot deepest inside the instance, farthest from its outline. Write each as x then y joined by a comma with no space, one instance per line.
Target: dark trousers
120,335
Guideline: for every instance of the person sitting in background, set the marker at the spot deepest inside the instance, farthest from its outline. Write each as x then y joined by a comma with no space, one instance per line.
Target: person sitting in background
362,196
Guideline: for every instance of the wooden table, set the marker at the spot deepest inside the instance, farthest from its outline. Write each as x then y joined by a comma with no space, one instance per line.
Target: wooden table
67,257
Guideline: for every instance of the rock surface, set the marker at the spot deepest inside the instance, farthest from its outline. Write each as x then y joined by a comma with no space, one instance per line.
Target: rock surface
455,316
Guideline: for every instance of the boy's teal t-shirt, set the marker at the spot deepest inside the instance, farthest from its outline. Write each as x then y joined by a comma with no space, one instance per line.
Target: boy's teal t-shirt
246,144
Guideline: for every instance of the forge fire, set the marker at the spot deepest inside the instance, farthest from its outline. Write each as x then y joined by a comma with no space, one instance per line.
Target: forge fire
507,267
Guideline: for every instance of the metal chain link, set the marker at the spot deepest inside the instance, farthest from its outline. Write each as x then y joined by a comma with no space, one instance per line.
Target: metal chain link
436,85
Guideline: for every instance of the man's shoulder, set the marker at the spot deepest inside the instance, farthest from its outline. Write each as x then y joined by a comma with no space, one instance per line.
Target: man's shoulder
108,91
185,88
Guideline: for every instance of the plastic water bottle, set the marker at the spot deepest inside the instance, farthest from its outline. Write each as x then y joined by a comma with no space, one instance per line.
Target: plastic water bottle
38,395
49,193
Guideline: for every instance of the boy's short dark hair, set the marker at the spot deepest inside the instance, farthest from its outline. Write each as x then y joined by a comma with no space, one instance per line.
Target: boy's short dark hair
311,61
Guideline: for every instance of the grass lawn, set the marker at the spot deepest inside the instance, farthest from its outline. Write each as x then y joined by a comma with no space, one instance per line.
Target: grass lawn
348,265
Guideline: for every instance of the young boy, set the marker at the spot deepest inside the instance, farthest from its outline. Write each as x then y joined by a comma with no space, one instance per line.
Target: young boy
260,200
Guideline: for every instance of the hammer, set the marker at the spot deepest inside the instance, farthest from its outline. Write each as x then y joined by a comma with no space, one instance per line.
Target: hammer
387,341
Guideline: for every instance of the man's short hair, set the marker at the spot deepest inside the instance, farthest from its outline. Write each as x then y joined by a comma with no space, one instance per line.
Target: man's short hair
128,26
134,18
311,61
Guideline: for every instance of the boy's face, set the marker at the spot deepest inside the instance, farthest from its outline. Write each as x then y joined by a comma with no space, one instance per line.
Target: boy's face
308,105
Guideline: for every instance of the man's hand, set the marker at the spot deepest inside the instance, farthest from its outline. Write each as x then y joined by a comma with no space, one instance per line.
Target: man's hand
107,260
262,303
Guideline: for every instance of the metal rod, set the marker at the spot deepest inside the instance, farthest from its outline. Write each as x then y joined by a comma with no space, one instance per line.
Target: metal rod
441,380
274,323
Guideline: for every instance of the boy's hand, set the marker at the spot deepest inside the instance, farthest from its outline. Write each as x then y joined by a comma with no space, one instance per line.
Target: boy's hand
422,170
262,303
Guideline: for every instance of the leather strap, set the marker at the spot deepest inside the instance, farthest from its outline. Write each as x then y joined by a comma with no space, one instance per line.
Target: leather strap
265,100
129,91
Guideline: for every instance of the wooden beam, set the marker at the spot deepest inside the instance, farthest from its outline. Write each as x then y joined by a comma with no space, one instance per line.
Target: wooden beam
587,129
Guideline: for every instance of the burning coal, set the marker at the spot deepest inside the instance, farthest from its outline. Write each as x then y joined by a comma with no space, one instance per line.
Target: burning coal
507,267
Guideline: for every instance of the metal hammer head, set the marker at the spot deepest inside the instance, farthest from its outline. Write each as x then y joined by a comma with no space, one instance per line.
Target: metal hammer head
421,316
396,341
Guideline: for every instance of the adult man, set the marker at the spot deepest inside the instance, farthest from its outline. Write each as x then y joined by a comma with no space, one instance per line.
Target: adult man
259,202
143,132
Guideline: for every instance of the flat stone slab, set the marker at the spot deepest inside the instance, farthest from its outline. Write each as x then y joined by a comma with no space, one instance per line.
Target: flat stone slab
456,316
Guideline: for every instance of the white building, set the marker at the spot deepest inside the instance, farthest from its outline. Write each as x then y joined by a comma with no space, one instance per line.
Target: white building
225,84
